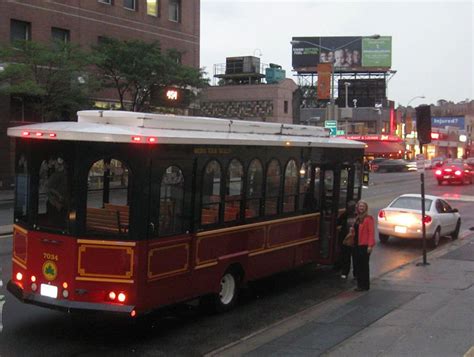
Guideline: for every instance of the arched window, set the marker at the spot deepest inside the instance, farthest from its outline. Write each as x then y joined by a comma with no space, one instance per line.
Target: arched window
304,202
108,197
272,190
291,187
254,189
211,197
171,202
233,194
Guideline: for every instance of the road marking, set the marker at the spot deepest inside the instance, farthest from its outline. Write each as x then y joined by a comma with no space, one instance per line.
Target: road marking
456,197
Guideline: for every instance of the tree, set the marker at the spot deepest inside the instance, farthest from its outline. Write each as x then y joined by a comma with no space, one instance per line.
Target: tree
52,79
136,69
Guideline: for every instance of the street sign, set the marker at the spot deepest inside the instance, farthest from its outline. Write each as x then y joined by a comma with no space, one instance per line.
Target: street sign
330,124
340,132
420,162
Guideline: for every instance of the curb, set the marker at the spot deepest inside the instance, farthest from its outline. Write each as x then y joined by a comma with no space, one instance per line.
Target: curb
299,319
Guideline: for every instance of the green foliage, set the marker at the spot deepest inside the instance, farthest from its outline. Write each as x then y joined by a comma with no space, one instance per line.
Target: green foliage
50,78
137,69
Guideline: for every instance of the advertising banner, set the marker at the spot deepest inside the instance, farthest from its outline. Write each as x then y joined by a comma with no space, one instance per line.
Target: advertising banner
324,80
441,122
345,53
377,52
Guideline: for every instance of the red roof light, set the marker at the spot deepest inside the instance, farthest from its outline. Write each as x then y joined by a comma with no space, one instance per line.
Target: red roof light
136,139
39,134
152,140
25,133
52,135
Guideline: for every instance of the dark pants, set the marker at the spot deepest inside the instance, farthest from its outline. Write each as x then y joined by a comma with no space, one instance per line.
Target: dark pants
347,255
362,267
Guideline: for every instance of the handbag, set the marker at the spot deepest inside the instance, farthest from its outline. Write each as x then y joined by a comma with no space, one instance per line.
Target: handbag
349,239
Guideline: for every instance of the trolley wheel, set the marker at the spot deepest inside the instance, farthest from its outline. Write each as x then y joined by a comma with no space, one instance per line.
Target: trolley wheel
383,238
227,296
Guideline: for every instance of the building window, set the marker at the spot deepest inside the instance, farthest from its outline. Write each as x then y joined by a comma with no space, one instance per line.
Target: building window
20,30
108,2
152,7
60,35
285,106
130,4
174,10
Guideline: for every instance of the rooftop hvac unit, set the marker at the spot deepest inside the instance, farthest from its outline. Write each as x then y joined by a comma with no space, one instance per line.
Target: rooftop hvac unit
246,64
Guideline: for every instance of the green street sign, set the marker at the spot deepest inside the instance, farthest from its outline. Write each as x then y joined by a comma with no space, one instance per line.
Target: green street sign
330,124
340,132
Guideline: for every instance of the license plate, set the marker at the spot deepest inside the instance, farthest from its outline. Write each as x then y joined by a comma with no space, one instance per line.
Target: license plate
49,291
447,176
400,229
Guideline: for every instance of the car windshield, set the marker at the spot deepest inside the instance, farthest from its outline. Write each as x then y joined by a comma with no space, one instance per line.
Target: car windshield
411,203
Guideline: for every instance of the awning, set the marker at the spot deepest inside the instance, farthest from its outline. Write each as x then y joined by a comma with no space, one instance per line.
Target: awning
383,147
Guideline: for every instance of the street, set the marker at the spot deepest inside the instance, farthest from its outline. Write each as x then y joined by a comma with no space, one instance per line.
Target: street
185,329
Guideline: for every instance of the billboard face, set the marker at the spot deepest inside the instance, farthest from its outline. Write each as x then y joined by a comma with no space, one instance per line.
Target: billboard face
345,53
441,122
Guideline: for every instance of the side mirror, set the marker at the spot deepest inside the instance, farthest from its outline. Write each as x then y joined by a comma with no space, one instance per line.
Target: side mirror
454,210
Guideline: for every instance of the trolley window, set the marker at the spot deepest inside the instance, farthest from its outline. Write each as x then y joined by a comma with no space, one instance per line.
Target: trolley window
272,190
317,188
108,197
254,189
54,193
305,187
171,219
22,180
290,188
211,198
344,182
233,195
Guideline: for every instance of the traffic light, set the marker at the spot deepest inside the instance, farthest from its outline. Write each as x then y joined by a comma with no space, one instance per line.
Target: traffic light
423,124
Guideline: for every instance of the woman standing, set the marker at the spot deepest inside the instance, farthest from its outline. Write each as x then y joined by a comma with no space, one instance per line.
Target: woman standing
364,241
347,250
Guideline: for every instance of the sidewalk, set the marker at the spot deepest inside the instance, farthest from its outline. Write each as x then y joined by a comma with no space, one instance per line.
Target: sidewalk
410,311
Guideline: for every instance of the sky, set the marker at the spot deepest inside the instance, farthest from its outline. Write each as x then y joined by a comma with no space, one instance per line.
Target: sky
432,42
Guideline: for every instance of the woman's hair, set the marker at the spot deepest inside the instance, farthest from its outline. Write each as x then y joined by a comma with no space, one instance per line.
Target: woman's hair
361,216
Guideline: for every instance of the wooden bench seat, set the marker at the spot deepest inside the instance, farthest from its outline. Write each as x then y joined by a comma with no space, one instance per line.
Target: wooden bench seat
103,220
123,212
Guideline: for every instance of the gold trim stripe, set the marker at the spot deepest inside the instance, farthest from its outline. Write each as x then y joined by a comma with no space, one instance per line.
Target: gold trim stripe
253,225
106,242
105,280
19,263
284,246
19,229
208,265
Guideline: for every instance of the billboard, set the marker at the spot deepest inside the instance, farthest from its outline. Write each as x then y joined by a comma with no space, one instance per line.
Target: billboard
441,122
356,53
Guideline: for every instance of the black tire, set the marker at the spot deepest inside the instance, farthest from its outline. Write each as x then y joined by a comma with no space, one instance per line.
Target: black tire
455,234
383,238
434,241
226,298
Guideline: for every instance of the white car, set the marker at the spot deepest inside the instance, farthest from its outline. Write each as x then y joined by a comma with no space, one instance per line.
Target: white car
402,219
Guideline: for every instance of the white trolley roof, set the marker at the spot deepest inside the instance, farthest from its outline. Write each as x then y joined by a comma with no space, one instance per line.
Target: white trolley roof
128,127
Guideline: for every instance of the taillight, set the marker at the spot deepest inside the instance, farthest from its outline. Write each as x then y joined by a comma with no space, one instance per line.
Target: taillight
381,213
427,219
121,297
112,295
438,172
19,276
458,173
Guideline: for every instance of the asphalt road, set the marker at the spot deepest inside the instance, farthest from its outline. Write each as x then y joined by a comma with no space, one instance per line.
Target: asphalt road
186,331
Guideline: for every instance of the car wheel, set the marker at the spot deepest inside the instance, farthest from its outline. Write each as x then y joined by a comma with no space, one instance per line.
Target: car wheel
436,238
383,238
227,296
455,234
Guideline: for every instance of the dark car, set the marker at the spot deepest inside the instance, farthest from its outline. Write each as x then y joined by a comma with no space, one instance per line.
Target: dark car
395,165
374,164
454,173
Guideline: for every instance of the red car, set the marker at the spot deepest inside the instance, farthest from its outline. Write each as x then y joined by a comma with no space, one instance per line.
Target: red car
454,173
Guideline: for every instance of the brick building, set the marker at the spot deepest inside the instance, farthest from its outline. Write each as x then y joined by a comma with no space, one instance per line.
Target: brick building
174,23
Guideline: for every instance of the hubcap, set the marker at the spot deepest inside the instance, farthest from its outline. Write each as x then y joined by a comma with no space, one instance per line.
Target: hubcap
227,289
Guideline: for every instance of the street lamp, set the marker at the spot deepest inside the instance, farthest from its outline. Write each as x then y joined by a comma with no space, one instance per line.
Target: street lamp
405,118
297,42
